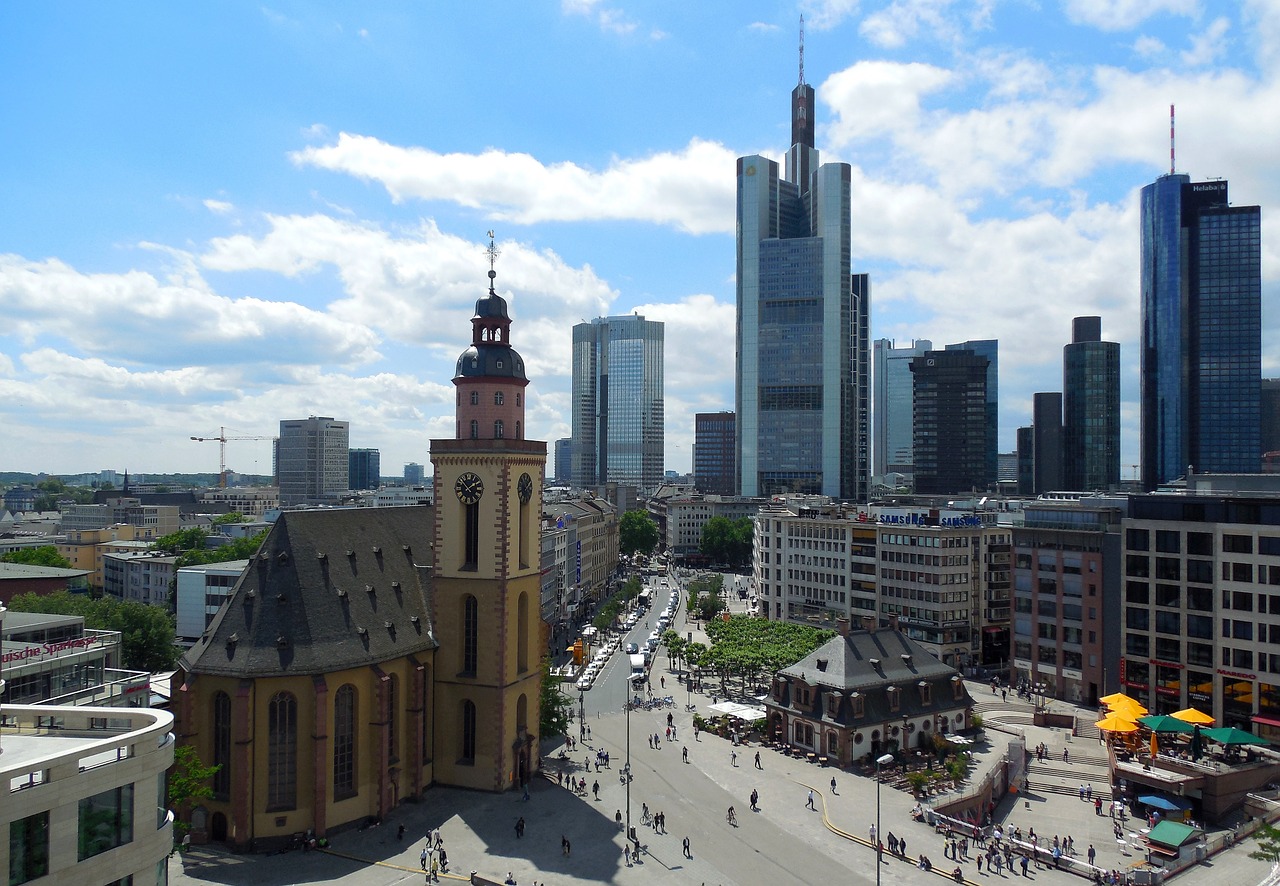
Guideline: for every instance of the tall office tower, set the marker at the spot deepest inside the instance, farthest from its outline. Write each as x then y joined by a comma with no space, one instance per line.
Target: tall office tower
364,468
1090,408
801,325
891,405
951,442
1046,442
714,465
989,348
564,459
414,474
617,402
1026,461
311,460
1201,276
1270,411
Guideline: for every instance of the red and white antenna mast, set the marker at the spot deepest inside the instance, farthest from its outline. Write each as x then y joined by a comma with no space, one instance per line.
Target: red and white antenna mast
801,50
1171,163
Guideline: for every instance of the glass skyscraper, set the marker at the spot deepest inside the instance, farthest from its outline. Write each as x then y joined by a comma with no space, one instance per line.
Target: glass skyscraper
892,425
1090,408
1201,281
618,429
802,325
950,408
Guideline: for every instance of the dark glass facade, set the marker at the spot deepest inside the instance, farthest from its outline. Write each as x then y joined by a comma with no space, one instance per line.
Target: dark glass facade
950,422
1046,441
990,349
1201,280
1091,409
714,464
364,468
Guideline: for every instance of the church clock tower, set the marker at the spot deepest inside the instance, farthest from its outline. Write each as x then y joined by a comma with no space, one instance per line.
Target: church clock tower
487,586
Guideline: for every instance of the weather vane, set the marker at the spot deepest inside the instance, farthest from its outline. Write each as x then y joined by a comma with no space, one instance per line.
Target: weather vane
493,253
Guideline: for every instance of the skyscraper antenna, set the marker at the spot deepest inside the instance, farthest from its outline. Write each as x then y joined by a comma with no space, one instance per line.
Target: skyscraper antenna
802,50
1171,163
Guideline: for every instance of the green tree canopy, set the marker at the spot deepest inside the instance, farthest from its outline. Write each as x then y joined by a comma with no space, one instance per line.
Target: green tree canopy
146,632
231,517
189,782
1268,838
181,541
728,541
754,648
238,549
45,555
555,705
637,533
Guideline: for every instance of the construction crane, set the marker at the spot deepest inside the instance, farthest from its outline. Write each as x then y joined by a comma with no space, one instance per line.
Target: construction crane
221,440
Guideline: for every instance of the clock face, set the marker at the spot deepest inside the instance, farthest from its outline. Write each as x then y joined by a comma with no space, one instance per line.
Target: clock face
525,488
469,488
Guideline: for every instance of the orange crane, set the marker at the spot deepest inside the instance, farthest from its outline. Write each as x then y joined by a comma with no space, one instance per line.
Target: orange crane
221,440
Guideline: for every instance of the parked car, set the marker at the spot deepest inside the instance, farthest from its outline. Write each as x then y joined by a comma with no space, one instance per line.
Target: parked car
632,649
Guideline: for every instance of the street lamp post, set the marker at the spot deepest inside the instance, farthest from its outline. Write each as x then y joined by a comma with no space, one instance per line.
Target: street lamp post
627,836
880,761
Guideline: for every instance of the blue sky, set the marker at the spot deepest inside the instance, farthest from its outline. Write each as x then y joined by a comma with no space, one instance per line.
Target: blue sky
228,214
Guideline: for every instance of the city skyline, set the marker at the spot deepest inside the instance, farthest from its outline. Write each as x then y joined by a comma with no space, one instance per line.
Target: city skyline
197,239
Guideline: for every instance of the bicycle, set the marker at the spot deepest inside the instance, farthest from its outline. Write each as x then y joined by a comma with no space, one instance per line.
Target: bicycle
731,817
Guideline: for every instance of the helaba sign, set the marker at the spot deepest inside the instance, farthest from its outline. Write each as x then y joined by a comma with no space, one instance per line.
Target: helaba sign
27,653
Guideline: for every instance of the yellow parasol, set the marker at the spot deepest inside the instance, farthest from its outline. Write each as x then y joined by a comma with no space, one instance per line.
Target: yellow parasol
1155,745
1191,715
1128,708
1114,697
1112,723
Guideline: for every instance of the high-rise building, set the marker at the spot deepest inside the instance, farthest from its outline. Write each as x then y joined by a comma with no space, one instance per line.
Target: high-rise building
364,468
311,460
564,459
714,464
951,428
802,336
1026,472
1046,442
617,402
414,474
1090,408
1270,415
1201,280
989,348
891,406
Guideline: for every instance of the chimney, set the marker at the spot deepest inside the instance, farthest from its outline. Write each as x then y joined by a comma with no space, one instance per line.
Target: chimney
842,627
868,623
893,622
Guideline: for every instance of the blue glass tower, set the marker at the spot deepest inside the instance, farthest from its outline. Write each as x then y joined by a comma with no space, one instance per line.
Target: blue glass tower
1201,278
802,339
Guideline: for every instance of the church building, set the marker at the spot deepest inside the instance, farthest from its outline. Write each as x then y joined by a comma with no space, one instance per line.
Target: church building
368,654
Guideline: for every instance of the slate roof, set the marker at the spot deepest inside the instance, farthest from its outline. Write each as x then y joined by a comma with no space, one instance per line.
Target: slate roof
328,590
844,666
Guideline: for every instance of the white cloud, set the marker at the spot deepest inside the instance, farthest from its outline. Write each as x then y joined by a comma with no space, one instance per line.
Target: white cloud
1148,47
823,15
903,20
1121,15
763,27
692,190
1207,45
610,20
219,207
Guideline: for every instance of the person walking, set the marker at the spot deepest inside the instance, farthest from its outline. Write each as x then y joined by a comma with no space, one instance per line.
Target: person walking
1093,853
685,752
595,789
520,827
809,802
733,758
1025,863
626,853
755,798
758,766
871,830
833,784
422,859
687,853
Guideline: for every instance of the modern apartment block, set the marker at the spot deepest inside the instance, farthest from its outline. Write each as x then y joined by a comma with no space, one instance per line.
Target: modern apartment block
953,448
1066,600
1201,289
143,577
1090,409
153,520
715,470
201,591
802,337
618,422
1201,622
685,515
311,460
893,422
364,468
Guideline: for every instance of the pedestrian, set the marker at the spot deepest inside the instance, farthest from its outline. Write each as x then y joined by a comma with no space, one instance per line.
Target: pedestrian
422,859
439,839
809,803
902,846
444,860
626,853
758,766
588,732
1025,862
662,822
668,733
400,832
893,844
657,741
999,860
687,853
617,817
1081,792
664,682
733,757
520,827
685,752
871,830
695,732
1088,791
526,791
595,789
833,784
1092,854
755,797
979,864
1065,755
1097,805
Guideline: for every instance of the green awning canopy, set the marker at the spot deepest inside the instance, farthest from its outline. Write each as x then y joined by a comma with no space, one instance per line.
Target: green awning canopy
1174,834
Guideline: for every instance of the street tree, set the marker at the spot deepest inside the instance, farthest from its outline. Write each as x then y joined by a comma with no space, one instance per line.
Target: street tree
45,555
1268,838
637,534
555,705
728,541
190,781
